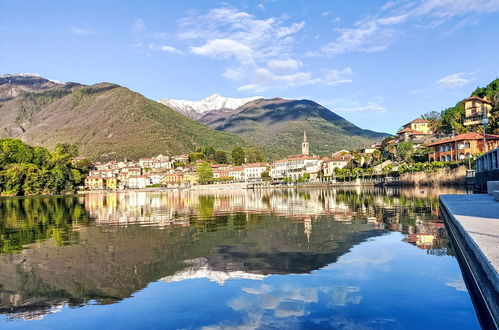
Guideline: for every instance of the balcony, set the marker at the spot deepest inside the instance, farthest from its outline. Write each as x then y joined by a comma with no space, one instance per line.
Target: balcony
473,120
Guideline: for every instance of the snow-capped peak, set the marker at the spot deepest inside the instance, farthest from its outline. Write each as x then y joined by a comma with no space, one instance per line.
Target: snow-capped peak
196,109
27,75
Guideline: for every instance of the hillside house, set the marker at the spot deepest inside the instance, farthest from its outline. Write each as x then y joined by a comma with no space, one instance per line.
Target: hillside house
473,108
461,146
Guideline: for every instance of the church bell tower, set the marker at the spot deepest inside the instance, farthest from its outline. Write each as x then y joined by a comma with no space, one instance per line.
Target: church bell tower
304,145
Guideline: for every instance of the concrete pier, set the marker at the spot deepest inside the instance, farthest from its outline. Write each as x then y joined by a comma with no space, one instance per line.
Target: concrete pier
473,225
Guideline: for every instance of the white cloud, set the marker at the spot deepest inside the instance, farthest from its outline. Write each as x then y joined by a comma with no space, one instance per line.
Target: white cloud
224,48
453,80
368,36
326,13
170,49
288,64
376,33
138,25
260,50
80,31
342,105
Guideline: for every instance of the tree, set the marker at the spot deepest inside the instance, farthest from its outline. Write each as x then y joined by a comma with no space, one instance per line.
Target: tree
194,156
221,157
238,155
254,155
209,152
405,151
205,172
434,120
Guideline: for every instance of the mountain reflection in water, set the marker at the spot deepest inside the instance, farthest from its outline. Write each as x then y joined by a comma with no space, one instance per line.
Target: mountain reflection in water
102,248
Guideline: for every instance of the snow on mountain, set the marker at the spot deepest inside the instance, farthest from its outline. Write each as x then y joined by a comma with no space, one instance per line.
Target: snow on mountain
196,109
200,268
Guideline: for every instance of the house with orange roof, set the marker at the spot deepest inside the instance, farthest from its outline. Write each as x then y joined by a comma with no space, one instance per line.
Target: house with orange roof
462,146
419,125
473,108
254,171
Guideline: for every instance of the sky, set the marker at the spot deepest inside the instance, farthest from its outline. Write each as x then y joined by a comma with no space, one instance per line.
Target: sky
378,64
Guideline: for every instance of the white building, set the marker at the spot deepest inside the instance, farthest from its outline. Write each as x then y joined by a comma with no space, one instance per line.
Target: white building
138,182
294,167
336,161
237,173
254,171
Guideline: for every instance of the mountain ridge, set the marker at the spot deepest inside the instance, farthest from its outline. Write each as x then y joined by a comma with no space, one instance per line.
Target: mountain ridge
106,121
196,109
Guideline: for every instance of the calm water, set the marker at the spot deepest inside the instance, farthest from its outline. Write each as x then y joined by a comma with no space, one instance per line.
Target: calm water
284,259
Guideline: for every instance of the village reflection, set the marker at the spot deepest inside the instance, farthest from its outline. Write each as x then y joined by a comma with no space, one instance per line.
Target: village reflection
104,247
412,211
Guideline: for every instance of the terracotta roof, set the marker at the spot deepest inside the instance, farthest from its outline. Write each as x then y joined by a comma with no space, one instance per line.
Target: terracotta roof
257,165
419,121
343,158
465,136
411,131
296,157
478,98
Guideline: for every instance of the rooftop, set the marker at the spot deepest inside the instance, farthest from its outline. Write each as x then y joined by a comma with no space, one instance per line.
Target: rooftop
465,136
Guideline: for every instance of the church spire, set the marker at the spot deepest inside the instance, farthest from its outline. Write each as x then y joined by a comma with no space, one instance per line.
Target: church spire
304,145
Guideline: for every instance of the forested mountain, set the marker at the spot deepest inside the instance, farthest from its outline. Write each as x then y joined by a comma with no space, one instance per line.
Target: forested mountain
277,126
106,121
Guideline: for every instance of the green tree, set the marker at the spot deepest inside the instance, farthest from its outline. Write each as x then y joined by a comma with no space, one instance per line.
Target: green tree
221,157
405,151
205,172
254,155
195,156
238,155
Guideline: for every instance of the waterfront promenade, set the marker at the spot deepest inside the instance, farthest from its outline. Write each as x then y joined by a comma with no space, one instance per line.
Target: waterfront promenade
473,224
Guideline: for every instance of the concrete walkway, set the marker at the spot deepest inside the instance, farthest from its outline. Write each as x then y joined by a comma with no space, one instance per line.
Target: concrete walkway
473,224
479,216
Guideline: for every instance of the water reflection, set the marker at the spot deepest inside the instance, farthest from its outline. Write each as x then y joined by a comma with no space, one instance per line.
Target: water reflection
102,248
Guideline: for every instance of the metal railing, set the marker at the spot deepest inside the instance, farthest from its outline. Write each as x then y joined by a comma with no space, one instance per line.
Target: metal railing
488,161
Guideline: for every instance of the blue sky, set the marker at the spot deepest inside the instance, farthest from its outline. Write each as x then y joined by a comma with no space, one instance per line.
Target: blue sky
377,63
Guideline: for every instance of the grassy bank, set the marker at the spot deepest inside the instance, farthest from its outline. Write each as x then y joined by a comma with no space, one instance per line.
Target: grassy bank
443,176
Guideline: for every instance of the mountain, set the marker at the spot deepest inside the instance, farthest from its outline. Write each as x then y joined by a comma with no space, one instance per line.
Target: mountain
11,85
105,120
196,109
277,125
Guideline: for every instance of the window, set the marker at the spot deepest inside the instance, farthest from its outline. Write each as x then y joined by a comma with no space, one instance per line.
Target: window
467,145
448,158
461,146
461,156
441,149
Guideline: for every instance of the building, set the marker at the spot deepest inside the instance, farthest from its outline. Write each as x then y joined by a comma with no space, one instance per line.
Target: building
190,177
294,167
138,182
111,183
473,108
94,182
336,161
254,171
419,124
410,135
237,173
174,178
461,146
157,163
305,147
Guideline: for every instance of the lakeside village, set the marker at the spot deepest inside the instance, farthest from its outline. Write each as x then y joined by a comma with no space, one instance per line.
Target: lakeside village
415,148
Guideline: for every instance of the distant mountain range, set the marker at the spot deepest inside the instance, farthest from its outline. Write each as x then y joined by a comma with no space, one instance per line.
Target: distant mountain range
108,121
196,109
276,125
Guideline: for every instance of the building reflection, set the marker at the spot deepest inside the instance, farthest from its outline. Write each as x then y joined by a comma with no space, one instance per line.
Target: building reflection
105,247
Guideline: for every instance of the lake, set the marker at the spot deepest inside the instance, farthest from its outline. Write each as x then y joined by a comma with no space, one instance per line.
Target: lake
270,259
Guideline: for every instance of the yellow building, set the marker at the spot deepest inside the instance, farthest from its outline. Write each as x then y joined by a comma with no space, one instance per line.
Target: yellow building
94,182
190,177
420,125
111,183
473,108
